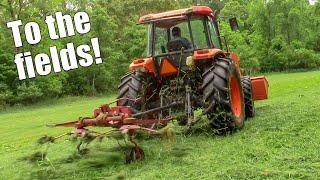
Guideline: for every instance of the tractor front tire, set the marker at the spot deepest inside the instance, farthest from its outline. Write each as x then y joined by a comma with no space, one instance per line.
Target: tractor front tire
247,92
223,96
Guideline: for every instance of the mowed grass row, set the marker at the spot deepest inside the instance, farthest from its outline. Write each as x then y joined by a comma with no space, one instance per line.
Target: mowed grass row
282,141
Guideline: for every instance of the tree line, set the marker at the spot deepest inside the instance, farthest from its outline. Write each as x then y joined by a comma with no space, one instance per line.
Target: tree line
274,35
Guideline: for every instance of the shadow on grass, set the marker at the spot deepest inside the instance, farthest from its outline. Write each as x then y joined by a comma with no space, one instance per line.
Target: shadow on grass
263,108
75,156
34,158
180,152
87,161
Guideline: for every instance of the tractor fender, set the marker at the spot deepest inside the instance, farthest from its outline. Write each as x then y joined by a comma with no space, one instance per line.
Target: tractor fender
214,53
204,54
235,58
144,65
260,87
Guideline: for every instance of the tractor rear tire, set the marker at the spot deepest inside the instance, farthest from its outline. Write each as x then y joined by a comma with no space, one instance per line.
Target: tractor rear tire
223,96
136,90
247,92
130,90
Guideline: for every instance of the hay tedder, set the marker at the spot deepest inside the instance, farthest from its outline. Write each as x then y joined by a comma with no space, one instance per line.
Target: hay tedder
186,69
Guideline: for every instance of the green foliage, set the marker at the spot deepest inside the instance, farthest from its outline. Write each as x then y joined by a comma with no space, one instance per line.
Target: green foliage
113,22
303,59
5,94
274,35
28,92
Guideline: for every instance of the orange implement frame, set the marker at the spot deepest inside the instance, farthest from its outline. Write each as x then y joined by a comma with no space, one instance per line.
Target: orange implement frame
259,88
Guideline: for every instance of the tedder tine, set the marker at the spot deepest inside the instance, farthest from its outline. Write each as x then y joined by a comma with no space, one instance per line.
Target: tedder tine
67,124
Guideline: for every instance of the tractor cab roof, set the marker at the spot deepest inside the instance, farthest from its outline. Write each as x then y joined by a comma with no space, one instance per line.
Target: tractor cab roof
170,18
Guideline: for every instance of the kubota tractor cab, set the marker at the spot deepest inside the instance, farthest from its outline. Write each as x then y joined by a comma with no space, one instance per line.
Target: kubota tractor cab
187,69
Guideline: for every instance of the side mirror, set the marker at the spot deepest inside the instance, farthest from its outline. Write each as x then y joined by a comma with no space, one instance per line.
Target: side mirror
233,24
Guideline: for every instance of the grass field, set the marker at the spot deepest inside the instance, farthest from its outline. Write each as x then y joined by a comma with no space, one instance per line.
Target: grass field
282,141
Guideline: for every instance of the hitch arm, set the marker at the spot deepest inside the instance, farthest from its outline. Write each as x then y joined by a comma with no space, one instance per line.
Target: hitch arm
157,109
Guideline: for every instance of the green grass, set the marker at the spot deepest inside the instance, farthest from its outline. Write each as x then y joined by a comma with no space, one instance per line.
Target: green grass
282,141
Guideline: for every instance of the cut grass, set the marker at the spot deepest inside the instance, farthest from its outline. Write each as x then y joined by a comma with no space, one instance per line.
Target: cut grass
282,141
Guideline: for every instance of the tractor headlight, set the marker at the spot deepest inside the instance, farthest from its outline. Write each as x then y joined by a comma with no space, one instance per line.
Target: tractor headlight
189,61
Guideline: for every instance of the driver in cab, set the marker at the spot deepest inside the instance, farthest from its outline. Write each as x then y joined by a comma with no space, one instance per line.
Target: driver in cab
177,42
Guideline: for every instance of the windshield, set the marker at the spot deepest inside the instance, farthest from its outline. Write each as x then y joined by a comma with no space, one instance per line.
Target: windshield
173,38
174,34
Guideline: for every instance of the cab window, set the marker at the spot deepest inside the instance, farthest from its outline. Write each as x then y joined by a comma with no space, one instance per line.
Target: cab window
214,35
199,34
161,39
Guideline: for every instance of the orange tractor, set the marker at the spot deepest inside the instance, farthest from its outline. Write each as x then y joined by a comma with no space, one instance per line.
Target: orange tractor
186,63
186,69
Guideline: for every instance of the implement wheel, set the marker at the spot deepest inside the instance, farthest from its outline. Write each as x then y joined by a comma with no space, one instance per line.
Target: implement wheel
134,154
223,96
247,92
